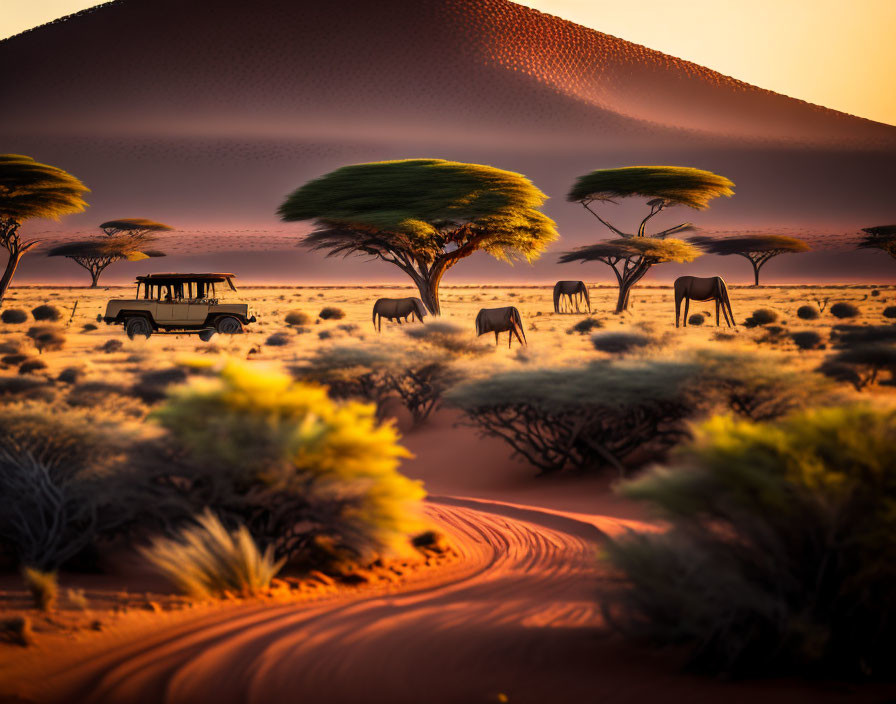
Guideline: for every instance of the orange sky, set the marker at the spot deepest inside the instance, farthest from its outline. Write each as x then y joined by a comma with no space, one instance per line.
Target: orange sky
836,53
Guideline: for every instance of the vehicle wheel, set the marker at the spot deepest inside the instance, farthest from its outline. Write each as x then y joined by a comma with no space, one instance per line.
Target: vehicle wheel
137,327
228,325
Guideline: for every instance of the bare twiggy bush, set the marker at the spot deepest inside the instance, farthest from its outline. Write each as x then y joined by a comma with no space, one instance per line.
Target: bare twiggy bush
779,553
448,337
596,417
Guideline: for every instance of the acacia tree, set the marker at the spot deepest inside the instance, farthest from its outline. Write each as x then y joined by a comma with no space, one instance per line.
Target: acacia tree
631,255
882,237
29,189
423,216
757,249
123,239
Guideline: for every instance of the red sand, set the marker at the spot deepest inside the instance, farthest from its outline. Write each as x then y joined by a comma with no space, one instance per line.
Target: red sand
516,617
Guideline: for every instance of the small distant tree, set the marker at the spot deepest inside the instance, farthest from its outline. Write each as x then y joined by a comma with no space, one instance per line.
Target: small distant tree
29,189
423,216
757,249
632,255
123,239
882,237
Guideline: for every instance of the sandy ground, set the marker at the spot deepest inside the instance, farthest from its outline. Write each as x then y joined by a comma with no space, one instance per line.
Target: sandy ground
514,618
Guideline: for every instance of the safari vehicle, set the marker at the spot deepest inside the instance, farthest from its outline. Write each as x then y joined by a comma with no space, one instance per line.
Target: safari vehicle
178,303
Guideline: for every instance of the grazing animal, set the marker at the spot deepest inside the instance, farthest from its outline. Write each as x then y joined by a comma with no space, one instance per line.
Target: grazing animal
397,309
575,291
501,320
702,289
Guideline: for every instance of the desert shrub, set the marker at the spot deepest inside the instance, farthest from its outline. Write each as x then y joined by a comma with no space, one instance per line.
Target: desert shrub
875,293
890,312
844,310
71,375
11,346
111,346
278,339
89,327
43,587
55,481
206,560
297,317
421,386
779,553
13,359
807,313
762,316
620,342
46,312
696,319
860,365
331,313
46,337
153,385
584,326
350,372
13,316
30,366
806,339
451,338
852,335
755,387
581,418
16,630
23,387
312,477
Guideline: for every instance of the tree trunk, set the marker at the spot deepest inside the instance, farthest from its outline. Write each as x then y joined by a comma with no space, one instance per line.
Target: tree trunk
627,283
14,258
429,292
755,274
95,277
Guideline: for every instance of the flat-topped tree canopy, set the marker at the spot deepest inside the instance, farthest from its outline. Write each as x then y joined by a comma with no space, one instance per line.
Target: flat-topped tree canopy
132,226
676,185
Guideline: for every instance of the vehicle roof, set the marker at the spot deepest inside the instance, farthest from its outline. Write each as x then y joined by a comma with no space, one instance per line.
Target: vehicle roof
159,278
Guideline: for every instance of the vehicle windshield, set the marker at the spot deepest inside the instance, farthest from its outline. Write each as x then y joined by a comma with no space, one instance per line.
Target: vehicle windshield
178,291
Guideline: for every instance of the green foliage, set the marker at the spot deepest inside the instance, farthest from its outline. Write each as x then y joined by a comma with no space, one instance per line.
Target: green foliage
419,201
303,473
807,312
46,312
646,249
331,313
780,551
207,561
678,185
297,317
43,587
13,316
844,310
584,418
29,189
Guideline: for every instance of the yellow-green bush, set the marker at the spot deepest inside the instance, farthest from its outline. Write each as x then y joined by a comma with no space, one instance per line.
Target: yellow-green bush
781,551
302,471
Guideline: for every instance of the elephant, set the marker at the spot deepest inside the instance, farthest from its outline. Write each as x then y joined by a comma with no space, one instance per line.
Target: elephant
575,291
702,289
397,309
501,320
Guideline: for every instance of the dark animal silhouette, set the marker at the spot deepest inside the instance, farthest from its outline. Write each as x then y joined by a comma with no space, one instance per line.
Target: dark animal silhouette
702,289
397,309
501,320
574,291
